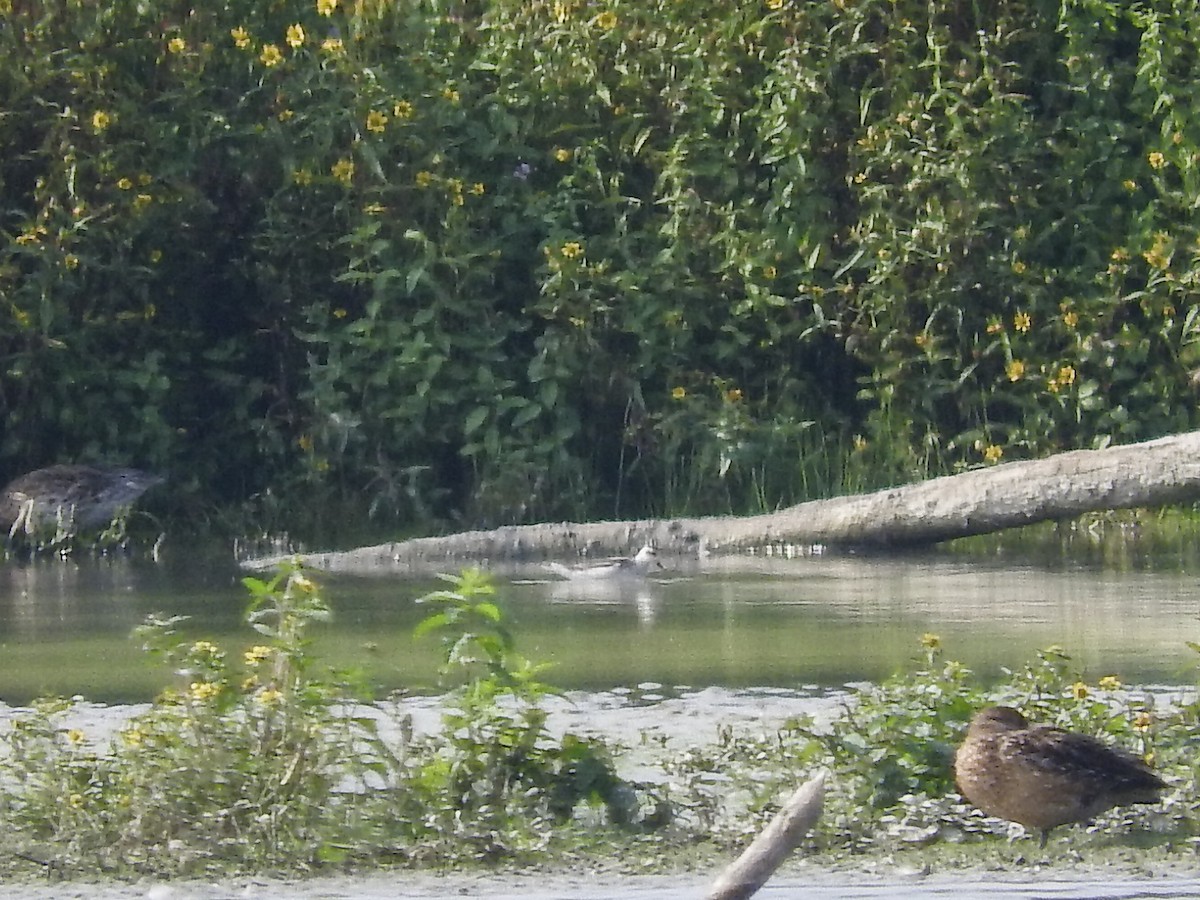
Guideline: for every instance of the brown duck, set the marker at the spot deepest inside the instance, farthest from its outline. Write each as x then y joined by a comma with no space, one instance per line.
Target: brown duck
1041,776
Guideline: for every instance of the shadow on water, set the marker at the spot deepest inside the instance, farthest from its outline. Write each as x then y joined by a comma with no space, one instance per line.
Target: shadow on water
749,621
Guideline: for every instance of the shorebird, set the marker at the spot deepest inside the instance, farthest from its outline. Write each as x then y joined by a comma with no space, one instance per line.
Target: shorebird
635,566
1041,776
73,497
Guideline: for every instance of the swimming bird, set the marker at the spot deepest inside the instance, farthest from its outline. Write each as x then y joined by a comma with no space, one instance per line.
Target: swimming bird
1041,776
635,566
73,497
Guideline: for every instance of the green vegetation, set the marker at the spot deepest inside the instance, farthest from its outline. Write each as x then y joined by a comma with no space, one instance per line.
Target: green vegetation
268,762
506,261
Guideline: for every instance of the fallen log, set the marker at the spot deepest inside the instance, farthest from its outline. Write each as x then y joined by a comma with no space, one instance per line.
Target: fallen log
1154,473
766,853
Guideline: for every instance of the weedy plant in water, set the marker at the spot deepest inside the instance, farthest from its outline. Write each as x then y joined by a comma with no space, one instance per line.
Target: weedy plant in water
267,761
496,773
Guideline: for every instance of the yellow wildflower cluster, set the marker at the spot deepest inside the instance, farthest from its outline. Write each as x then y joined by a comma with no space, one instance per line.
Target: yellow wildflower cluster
203,690
101,120
1015,370
1063,378
1022,322
376,122
257,654
679,392
176,45
241,37
205,648
1109,683
1156,160
269,696
562,154
402,109
931,641
271,56
992,453
343,171
295,37
1159,254
571,249
326,7
607,20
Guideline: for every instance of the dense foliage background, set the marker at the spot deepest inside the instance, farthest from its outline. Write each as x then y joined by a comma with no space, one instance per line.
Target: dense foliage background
502,261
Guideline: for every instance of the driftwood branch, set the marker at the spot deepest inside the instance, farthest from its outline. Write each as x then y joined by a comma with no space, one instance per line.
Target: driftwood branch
766,853
984,500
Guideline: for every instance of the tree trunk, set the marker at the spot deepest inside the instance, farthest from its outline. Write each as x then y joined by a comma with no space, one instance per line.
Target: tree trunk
984,500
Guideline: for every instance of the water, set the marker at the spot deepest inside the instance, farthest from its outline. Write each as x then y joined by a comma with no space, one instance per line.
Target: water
65,627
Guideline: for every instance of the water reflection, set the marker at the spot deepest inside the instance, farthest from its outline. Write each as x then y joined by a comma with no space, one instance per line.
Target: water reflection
733,622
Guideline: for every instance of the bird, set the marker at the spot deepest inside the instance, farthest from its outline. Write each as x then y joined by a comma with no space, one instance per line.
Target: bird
74,498
636,566
1041,777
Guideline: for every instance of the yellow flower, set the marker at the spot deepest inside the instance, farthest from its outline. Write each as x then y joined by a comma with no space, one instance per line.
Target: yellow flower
992,453
305,442
860,443
477,189
326,7
1109,683
402,109
571,249
71,261
270,56
340,313
303,583
931,641
241,37
332,45
450,94
376,121
733,395
76,800
141,201
424,179
994,326
1129,184
606,20
678,392
295,37
133,737
1022,322
374,209
769,272
75,736
1015,370
176,45
1071,318
100,120
774,4
155,256
1066,375
562,154
343,171
203,690
1156,160
205,648
269,696
1079,690
1142,721
301,177
257,654
125,184
1019,267
144,178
